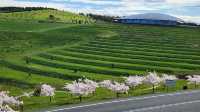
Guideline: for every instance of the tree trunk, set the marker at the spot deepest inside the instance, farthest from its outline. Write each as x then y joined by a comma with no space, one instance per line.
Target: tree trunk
117,94
80,97
50,98
153,88
195,85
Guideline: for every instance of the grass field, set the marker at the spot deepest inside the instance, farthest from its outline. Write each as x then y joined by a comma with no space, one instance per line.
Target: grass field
52,52
42,15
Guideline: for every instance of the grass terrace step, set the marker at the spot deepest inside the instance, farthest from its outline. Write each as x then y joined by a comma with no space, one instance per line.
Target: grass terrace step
139,48
129,52
37,71
110,59
29,79
108,64
84,68
156,40
17,83
126,56
92,76
147,45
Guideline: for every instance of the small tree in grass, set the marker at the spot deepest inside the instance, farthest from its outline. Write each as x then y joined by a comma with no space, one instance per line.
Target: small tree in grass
153,79
6,101
133,81
45,90
52,17
195,79
81,88
116,87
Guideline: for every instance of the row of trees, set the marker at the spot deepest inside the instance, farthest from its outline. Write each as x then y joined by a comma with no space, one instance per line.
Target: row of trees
84,87
21,9
99,17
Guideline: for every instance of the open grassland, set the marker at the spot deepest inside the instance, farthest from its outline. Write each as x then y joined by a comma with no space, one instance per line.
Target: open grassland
32,53
43,15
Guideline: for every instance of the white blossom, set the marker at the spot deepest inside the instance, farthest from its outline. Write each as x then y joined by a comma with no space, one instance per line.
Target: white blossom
133,81
47,90
195,79
6,100
152,78
91,84
78,88
6,108
105,84
119,87
115,86
9,100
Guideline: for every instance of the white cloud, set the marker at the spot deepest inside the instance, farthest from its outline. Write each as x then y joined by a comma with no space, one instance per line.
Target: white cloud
118,7
4,3
191,18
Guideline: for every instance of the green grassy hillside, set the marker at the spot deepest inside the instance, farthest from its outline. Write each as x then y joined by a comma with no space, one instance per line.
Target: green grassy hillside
32,53
42,15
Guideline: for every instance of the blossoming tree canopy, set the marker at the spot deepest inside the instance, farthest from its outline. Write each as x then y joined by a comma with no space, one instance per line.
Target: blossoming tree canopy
9,100
114,86
105,84
91,84
134,81
152,78
195,79
119,87
6,108
6,100
79,88
47,90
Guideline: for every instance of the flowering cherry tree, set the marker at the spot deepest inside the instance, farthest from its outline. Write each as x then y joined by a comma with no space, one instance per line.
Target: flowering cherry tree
105,84
116,87
153,79
6,108
119,88
91,84
195,79
133,81
47,90
42,90
6,101
81,87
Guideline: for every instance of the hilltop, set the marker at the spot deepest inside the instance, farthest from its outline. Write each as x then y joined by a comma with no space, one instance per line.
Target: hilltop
45,15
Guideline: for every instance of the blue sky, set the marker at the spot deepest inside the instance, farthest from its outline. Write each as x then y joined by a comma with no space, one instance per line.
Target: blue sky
185,9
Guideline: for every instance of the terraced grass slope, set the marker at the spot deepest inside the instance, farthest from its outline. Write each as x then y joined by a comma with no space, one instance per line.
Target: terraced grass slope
135,50
56,53
128,50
